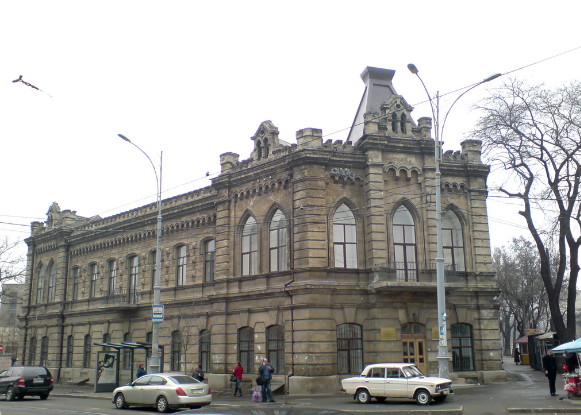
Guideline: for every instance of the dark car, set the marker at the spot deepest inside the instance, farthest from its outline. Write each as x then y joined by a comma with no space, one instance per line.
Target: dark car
19,381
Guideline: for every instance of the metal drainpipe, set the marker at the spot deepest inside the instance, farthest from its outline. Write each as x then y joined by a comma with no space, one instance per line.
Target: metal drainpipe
28,306
62,313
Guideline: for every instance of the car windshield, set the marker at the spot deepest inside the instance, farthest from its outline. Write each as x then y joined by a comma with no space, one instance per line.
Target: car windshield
412,372
183,379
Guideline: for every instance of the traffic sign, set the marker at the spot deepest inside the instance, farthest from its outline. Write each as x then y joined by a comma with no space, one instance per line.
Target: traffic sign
157,316
1,348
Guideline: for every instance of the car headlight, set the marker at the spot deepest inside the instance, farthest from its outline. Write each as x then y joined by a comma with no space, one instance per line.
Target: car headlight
443,386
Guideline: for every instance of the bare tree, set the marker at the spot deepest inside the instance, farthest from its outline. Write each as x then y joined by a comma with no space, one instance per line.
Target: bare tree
12,266
523,301
535,134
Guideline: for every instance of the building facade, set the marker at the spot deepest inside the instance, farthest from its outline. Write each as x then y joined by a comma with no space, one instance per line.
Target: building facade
11,300
319,255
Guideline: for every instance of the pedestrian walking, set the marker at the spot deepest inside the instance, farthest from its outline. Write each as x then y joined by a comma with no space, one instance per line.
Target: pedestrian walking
265,370
237,373
140,371
550,368
516,356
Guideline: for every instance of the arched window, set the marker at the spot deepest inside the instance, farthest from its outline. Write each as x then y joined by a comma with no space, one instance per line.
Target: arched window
133,262
250,247
404,243
44,351
106,339
266,147
51,282
70,349
394,122
453,242
209,254
94,276
275,347
349,348
176,350
127,364
246,348
76,282
402,124
278,242
32,351
258,150
205,349
181,261
113,285
87,351
40,285
344,238
462,347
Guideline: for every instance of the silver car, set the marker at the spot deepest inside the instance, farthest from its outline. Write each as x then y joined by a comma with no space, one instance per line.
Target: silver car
163,391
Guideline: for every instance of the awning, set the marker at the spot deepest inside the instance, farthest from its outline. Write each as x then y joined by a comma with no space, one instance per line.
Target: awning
523,339
574,346
547,335
126,345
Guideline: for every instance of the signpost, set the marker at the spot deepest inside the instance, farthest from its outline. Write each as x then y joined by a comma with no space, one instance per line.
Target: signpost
157,316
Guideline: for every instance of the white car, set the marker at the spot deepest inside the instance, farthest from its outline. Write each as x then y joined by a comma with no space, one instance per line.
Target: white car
396,380
163,391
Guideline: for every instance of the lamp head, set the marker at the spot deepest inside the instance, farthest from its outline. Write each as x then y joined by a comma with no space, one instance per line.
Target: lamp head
124,138
413,68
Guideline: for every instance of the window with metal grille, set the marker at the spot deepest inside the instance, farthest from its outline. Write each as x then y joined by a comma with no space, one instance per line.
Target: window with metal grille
246,348
462,347
51,282
404,243
205,345
87,351
453,242
349,348
181,262
344,238
69,355
176,350
275,347
278,242
32,351
44,351
250,247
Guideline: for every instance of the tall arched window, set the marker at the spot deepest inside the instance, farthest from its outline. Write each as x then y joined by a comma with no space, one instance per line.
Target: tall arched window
266,148
209,254
76,282
275,347
40,285
462,347
181,261
349,348
258,150
205,348
44,351
32,351
246,348
403,122
404,243
51,282
344,238
250,247
176,350
394,122
278,242
70,349
453,242
112,273
94,276
133,279
87,351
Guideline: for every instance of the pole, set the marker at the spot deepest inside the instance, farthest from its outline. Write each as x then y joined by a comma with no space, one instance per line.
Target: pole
154,360
443,356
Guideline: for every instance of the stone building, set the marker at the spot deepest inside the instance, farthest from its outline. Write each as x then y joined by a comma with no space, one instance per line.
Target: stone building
11,298
319,255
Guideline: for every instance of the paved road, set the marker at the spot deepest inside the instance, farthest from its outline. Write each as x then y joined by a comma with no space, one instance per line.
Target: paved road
526,392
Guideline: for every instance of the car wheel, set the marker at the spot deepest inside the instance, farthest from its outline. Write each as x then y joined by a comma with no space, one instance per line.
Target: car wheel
44,396
363,396
120,401
161,404
380,398
10,394
423,397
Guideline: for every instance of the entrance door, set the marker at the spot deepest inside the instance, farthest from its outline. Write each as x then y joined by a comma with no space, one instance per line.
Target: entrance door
414,352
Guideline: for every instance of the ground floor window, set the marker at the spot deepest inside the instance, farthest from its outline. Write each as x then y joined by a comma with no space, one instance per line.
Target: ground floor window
246,348
349,348
462,347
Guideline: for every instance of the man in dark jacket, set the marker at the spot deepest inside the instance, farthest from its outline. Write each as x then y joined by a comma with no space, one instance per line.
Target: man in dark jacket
265,370
550,368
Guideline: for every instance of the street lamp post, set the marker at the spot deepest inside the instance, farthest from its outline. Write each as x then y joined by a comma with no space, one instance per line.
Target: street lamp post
443,357
157,308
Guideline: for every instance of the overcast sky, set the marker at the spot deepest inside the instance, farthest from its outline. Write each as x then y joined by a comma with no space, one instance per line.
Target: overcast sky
195,79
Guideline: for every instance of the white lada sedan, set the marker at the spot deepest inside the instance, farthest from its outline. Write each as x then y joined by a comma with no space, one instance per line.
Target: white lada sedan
396,380
163,391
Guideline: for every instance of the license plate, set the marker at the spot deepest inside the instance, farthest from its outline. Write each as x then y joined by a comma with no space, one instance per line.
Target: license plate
38,380
197,391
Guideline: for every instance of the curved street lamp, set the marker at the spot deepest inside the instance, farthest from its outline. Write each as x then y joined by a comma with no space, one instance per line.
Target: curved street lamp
443,357
157,307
